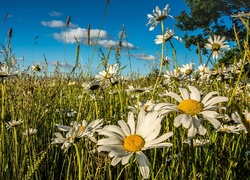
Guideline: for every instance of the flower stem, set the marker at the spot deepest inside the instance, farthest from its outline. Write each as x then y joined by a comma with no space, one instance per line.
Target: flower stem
162,59
193,159
78,162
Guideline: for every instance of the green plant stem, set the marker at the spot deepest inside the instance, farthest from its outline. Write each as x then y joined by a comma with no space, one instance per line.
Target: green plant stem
79,162
162,59
3,97
174,54
238,80
193,159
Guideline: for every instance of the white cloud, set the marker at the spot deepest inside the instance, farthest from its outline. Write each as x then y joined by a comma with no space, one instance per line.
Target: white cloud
104,40
56,24
55,14
107,43
80,33
143,56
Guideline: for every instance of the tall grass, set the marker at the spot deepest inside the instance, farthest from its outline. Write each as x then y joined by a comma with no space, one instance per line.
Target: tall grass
41,102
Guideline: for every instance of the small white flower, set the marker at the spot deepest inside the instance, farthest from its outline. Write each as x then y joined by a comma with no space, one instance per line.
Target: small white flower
197,142
216,44
29,132
36,67
171,76
187,69
76,131
231,128
158,16
13,123
110,72
168,35
241,14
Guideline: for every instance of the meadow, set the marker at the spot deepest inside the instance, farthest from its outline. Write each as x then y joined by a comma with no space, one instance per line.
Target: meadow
190,121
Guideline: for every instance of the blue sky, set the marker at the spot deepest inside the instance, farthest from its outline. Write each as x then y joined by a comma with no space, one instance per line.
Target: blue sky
46,19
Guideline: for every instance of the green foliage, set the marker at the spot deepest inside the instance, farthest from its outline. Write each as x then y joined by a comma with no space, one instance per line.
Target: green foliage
209,17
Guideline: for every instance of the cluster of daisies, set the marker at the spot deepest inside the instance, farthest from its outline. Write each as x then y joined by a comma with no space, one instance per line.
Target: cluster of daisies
143,128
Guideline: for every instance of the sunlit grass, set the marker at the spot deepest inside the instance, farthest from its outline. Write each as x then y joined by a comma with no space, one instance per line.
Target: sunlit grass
38,101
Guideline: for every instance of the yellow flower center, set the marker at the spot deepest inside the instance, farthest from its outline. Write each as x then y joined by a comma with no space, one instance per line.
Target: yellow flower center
188,71
133,143
216,47
190,107
81,128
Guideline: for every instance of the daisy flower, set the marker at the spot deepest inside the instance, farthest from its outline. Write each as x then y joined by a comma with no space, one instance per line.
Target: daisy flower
29,132
171,76
216,44
5,72
67,141
168,35
36,67
110,72
132,138
203,69
246,121
75,132
158,16
13,123
241,14
231,128
197,142
187,69
192,108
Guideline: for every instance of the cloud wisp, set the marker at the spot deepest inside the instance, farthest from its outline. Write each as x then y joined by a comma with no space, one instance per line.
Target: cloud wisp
143,56
57,24
55,14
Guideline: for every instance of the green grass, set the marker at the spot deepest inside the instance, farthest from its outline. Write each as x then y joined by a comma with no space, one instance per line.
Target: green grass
43,100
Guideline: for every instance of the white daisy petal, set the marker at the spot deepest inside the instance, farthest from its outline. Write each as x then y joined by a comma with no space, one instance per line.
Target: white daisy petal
126,159
175,96
195,93
115,129
143,164
191,132
131,122
115,160
124,127
208,96
184,93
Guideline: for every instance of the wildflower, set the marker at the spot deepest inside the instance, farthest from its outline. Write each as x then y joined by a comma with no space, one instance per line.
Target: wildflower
231,128
13,123
29,132
203,69
138,89
71,113
66,141
168,35
5,72
158,16
76,132
241,14
246,121
216,44
187,69
197,142
109,73
132,138
36,67
148,106
171,76
191,107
